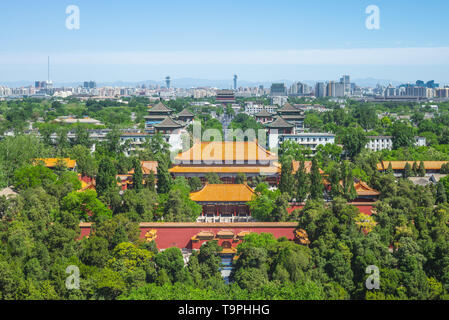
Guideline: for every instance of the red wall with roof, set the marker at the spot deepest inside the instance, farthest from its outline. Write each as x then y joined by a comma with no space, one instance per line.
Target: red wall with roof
180,237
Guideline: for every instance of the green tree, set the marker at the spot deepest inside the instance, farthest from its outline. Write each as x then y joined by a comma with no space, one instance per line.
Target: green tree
302,183
195,184
415,170
441,196
164,179
213,178
279,213
353,141
316,183
106,177
403,135
286,184
407,171
240,178
138,175
85,205
421,169
150,181
34,176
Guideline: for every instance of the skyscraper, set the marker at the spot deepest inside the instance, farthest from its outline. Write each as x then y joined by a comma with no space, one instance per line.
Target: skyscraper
235,82
278,89
167,82
346,81
320,90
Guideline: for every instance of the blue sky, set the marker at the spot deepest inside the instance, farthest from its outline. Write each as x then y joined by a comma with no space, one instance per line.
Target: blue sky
137,40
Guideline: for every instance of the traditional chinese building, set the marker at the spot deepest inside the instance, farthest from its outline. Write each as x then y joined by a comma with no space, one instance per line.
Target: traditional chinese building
156,115
399,166
191,235
292,115
185,116
125,181
53,163
224,202
264,116
227,159
365,193
167,126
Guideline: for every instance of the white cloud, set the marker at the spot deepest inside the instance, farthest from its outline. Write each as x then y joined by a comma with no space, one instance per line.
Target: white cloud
374,56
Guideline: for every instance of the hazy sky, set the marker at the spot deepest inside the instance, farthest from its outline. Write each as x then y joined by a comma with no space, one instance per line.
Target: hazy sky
137,40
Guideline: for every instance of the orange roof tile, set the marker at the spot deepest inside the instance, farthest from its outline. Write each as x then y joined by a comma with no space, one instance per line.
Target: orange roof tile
363,189
400,165
52,162
226,151
307,166
147,167
225,233
275,168
223,193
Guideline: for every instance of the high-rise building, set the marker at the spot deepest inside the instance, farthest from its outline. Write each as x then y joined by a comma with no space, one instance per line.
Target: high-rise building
235,82
278,89
167,82
89,85
340,90
298,89
330,89
346,81
320,90
432,85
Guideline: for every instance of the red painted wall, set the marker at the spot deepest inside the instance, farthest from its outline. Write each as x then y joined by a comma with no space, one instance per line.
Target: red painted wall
180,237
85,231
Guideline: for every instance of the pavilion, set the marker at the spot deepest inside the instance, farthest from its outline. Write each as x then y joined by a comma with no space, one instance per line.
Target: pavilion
224,202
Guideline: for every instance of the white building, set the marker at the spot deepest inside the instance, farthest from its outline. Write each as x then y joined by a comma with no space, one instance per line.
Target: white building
308,140
279,100
377,143
252,109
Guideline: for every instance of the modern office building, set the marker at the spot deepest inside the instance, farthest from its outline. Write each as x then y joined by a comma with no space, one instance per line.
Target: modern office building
320,90
278,89
89,85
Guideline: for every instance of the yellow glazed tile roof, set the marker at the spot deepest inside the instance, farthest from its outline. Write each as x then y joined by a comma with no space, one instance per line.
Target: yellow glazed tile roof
226,151
223,193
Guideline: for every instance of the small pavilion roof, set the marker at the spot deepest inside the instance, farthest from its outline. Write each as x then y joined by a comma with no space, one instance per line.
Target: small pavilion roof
185,113
263,113
168,123
363,189
279,122
160,107
288,108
